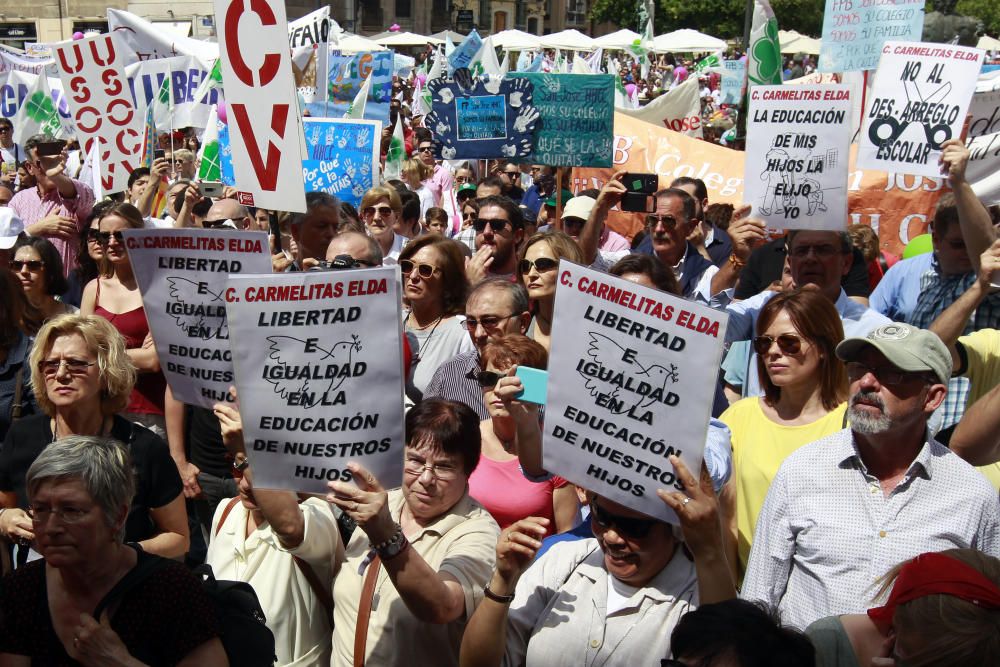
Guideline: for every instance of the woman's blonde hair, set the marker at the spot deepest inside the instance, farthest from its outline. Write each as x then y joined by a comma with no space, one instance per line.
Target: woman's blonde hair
104,341
562,245
418,168
382,192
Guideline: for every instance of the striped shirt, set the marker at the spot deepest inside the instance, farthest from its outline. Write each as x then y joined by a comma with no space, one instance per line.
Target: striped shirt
456,380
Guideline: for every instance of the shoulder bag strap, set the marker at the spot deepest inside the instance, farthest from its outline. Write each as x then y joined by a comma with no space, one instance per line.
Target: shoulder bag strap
16,406
323,595
365,611
146,566
225,513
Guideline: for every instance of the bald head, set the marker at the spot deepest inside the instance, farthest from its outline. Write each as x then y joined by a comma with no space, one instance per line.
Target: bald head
359,246
228,209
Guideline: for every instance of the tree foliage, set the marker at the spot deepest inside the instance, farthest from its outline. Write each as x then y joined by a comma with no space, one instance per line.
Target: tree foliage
987,11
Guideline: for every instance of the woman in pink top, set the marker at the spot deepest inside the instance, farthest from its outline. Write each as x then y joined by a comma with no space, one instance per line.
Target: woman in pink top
497,482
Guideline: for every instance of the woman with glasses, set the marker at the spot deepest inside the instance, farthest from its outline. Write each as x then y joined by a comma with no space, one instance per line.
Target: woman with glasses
537,271
88,257
434,289
39,269
64,610
498,483
415,570
115,296
380,208
82,378
805,389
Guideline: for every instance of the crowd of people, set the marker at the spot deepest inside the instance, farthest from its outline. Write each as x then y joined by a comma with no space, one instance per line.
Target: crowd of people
831,522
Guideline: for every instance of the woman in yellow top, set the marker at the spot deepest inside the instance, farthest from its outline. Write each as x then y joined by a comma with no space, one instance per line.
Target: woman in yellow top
805,389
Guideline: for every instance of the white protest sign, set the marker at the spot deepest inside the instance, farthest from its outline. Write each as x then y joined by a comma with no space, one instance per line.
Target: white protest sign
854,31
182,276
319,370
265,128
93,76
798,138
918,101
630,383
678,110
312,32
985,105
145,41
186,74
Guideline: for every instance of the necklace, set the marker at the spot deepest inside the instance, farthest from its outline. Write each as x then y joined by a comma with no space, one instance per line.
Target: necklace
415,359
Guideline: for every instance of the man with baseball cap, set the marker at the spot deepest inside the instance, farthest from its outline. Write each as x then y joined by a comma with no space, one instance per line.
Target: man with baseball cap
845,509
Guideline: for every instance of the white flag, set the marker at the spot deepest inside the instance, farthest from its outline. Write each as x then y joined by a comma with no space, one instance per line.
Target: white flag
38,114
357,108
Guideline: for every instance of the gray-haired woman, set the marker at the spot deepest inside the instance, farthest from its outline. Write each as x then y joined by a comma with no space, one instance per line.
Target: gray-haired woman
80,489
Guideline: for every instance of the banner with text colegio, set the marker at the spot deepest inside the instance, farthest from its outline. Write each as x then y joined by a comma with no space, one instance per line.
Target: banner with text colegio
319,369
182,276
630,383
266,130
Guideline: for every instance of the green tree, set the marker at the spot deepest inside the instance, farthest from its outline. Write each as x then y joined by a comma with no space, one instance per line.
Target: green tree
987,11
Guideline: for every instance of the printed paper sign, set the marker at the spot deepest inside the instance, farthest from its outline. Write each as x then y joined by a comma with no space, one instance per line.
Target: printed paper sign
678,109
348,72
854,31
495,118
577,118
186,74
319,371
93,76
261,104
631,382
918,102
734,75
342,157
798,141
312,32
182,276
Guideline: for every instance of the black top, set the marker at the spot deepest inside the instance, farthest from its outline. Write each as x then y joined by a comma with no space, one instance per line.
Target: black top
204,436
767,261
157,479
16,362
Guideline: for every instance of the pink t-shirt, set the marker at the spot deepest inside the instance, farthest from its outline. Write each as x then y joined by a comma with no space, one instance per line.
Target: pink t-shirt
501,488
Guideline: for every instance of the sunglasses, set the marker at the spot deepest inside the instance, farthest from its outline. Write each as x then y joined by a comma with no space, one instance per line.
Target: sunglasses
624,526
50,367
105,237
93,236
496,224
787,343
488,322
383,211
512,174
425,149
542,264
488,379
887,375
34,265
239,467
653,221
424,270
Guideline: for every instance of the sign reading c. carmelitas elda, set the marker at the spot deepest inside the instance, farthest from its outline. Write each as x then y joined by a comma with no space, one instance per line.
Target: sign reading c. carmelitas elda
319,372
630,383
182,276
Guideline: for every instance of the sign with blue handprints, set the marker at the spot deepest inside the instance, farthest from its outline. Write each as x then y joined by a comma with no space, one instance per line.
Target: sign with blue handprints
341,156
491,118
348,72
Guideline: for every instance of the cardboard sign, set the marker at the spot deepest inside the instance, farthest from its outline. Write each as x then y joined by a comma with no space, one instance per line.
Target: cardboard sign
798,142
319,370
186,74
734,76
577,117
854,31
918,101
341,157
494,118
262,106
312,33
348,72
630,383
93,76
678,109
182,276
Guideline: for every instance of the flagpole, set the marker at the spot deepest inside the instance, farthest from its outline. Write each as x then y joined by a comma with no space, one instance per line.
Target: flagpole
741,118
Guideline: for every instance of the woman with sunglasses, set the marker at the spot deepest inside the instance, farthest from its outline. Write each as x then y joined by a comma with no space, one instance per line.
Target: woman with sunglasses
115,296
497,482
88,257
434,288
805,389
39,268
380,208
537,271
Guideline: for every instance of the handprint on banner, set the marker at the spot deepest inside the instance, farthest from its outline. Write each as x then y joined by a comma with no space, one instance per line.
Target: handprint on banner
526,120
618,375
306,374
197,310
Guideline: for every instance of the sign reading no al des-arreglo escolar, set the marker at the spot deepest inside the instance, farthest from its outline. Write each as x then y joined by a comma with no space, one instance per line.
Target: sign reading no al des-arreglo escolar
630,383
319,371
182,276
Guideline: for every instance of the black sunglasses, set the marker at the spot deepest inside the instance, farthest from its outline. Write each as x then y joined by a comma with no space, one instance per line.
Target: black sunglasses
787,343
425,270
496,224
512,174
105,237
543,264
93,235
488,379
624,526
33,265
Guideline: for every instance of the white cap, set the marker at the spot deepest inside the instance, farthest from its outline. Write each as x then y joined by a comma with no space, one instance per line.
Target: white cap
10,227
579,207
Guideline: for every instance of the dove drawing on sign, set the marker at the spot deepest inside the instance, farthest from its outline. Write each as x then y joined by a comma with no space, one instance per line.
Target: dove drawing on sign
199,311
307,374
618,374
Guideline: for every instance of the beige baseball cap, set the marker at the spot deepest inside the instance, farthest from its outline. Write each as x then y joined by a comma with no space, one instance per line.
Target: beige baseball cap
578,207
908,348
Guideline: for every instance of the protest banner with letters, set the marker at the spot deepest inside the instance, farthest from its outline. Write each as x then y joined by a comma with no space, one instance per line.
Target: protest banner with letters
145,41
15,62
854,31
630,383
93,75
186,74
577,118
262,105
182,276
15,91
798,142
734,75
494,118
311,33
678,110
342,157
319,370
985,105
920,95
348,72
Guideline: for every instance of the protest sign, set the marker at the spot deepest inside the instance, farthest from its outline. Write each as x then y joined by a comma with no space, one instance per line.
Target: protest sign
798,141
186,74
734,74
985,105
15,62
144,41
311,33
494,118
854,31
918,101
348,72
16,89
983,170
465,52
576,121
678,109
182,276
630,383
93,75
319,370
341,157
266,131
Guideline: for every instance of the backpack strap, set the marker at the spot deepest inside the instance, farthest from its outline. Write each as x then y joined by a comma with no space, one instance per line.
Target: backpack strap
323,595
225,513
365,611
146,565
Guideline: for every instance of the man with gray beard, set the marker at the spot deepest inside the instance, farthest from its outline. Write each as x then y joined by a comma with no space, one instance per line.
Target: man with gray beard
845,509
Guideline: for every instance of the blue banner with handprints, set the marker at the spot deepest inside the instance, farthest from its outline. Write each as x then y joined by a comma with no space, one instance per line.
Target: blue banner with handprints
341,156
347,74
226,155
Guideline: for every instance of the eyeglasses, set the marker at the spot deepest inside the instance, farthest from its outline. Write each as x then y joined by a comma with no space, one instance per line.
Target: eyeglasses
624,526
542,264
787,343
180,161
424,270
668,221
105,237
68,515
50,367
488,322
93,236
886,375
470,215
488,379
512,174
34,265
425,149
5,129
824,251
370,211
415,465
496,224
221,222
